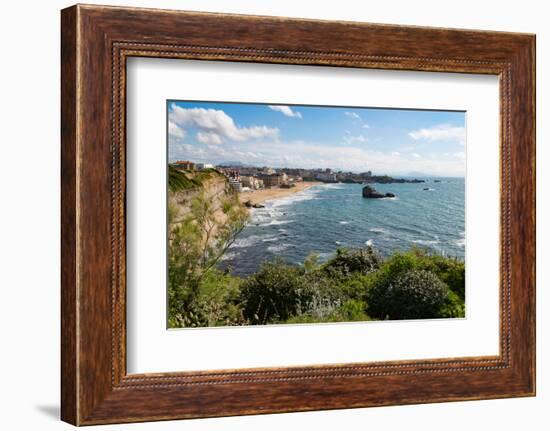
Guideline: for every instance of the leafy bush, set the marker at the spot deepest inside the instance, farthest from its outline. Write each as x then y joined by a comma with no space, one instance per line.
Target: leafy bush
198,294
213,301
275,292
352,286
413,294
453,307
350,311
278,292
449,270
347,261
325,293
355,285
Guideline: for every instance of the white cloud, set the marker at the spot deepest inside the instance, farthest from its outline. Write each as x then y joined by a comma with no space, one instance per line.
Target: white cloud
209,138
261,146
301,154
286,110
460,155
175,131
355,139
353,115
442,132
213,121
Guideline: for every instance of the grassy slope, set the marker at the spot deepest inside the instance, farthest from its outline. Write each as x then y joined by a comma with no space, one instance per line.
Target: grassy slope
186,180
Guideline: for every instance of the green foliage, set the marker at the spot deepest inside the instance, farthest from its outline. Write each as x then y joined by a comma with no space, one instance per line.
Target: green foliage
348,261
201,176
326,294
449,270
311,262
275,292
179,180
412,294
280,292
350,311
354,285
196,295
215,303
454,307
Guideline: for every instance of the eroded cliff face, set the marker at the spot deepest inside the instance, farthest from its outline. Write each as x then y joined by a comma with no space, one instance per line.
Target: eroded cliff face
215,189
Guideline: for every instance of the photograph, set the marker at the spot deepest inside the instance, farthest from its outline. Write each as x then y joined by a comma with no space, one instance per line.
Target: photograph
281,211
298,214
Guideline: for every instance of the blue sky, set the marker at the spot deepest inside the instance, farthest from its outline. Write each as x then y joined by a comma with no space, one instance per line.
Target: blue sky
385,141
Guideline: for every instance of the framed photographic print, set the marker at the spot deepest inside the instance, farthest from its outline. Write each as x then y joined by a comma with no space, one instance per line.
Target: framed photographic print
267,215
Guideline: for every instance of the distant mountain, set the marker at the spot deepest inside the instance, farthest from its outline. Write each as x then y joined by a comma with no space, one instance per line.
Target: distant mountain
418,174
233,163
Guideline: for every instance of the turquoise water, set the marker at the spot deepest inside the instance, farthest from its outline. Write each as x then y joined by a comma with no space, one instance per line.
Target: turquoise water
327,216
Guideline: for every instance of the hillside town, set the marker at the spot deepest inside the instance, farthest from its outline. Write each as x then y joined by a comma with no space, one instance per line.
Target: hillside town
243,178
247,178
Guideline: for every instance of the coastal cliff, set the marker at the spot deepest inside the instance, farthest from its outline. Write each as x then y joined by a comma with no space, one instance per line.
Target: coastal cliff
186,186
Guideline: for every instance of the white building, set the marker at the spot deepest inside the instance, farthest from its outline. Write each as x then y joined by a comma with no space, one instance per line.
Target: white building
252,182
236,184
326,177
202,166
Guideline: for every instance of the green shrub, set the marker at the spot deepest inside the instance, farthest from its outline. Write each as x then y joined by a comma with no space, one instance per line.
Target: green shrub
351,286
412,294
213,301
199,294
347,261
355,285
350,311
453,307
275,292
449,270
278,292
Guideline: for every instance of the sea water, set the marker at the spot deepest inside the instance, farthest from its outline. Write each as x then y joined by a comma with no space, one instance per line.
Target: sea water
325,217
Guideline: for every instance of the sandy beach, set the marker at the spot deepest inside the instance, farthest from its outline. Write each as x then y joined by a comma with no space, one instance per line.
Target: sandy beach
260,196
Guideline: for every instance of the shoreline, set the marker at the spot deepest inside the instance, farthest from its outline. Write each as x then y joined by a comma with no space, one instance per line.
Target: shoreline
262,195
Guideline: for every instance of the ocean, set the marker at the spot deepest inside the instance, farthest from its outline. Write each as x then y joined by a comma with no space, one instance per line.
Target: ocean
328,216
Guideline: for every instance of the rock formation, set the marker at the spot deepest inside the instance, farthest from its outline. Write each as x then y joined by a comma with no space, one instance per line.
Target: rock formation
250,204
370,193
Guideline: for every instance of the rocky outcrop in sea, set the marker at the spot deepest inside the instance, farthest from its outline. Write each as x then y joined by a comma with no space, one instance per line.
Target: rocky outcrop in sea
371,193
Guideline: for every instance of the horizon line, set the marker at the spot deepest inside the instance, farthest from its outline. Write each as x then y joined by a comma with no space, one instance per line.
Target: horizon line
334,170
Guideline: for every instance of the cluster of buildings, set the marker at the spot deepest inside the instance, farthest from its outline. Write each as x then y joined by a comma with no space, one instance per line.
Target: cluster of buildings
244,178
191,166
261,179
327,175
